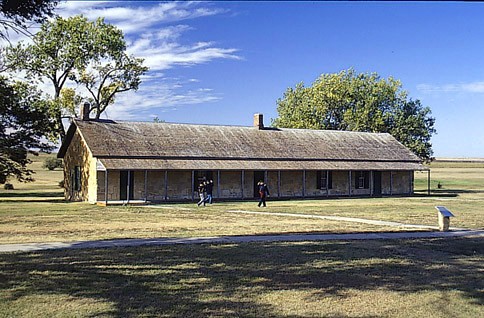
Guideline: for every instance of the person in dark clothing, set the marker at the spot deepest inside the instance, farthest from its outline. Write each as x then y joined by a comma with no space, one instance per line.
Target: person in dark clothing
209,190
201,193
263,193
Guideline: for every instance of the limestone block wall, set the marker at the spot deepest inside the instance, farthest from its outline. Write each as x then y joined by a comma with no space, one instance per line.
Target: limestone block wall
113,185
291,183
156,186
402,182
359,191
248,184
230,185
139,185
312,185
272,183
397,182
385,182
101,185
79,155
362,191
179,184
340,183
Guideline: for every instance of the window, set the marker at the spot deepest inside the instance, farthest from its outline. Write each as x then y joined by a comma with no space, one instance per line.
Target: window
324,178
76,182
362,180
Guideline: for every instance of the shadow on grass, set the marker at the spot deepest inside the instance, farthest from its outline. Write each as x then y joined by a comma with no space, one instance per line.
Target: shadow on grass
445,192
25,194
226,280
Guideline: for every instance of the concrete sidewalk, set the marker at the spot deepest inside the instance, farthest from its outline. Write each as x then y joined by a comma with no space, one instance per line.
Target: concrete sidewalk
30,247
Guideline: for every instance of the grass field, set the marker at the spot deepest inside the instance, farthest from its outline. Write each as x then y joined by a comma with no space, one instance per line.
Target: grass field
36,212
410,278
405,278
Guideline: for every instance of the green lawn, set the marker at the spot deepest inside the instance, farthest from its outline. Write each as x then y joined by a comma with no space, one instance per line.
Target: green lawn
393,278
36,212
407,278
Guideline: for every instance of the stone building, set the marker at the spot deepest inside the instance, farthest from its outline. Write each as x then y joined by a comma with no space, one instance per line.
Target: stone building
118,162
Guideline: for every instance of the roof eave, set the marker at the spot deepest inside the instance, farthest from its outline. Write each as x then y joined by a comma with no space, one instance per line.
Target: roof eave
67,141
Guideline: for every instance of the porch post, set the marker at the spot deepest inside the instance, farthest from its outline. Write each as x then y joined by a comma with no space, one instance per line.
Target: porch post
166,185
350,180
218,184
128,186
391,182
327,183
193,181
278,183
146,186
304,183
371,183
106,187
410,182
242,181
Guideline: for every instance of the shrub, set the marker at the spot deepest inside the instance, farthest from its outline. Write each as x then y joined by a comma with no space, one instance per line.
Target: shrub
51,163
8,186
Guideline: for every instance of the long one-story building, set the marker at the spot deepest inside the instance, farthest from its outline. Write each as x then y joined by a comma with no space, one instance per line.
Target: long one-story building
109,161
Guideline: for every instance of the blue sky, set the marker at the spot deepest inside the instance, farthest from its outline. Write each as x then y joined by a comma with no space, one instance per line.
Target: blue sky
221,62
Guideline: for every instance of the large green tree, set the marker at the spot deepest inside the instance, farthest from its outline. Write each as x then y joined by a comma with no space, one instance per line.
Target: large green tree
359,102
25,126
75,49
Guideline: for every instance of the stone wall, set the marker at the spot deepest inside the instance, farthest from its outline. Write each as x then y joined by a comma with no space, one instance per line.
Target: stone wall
312,185
397,182
230,185
79,155
340,183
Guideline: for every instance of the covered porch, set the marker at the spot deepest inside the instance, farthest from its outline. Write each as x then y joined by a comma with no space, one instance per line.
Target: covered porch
144,186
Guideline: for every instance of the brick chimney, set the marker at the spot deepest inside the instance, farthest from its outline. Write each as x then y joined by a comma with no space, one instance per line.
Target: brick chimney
259,121
84,111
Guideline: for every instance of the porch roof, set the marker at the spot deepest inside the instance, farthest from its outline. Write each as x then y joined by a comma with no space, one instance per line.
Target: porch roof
253,164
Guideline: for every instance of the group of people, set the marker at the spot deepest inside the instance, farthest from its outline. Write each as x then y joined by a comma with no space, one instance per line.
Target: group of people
205,189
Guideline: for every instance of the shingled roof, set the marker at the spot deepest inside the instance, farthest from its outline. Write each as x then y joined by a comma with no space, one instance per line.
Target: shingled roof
148,145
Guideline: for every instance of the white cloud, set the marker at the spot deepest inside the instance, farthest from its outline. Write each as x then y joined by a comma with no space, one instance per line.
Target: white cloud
157,97
158,32
133,17
474,87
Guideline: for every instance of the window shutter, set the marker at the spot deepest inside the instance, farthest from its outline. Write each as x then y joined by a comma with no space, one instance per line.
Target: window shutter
367,180
330,179
357,179
318,179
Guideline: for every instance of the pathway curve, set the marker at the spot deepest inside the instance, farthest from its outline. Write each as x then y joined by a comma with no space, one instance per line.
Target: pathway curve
431,233
343,218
